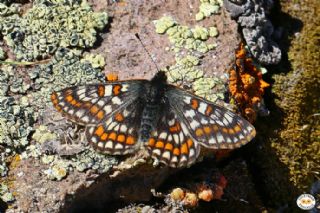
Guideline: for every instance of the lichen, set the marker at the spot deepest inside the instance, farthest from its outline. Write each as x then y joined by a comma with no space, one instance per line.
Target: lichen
49,25
5,194
207,8
2,54
247,86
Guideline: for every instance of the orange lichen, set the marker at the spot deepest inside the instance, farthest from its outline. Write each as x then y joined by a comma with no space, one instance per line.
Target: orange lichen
246,84
112,77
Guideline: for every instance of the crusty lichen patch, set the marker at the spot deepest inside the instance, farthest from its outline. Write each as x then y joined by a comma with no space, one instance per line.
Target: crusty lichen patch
186,43
49,25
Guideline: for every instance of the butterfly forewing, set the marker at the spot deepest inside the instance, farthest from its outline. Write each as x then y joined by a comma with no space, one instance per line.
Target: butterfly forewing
93,104
209,124
171,142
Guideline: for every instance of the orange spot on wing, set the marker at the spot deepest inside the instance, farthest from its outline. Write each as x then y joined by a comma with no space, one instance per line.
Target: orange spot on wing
168,146
58,108
225,130
151,142
130,140
208,110
69,98
54,98
104,136
189,142
199,132
99,131
100,115
119,117
207,130
237,128
231,131
215,127
101,90
113,136
73,102
176,151
184,149
194,104
87,104
159,144
175,128
94,109
121,138
116,89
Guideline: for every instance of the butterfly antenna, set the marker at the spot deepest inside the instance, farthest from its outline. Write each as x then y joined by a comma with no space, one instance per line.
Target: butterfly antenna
145,49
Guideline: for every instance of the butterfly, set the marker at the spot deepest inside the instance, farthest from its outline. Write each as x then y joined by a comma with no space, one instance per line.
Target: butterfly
170,123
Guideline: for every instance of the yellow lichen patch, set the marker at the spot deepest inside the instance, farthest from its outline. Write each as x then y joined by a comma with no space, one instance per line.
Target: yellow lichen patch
246,84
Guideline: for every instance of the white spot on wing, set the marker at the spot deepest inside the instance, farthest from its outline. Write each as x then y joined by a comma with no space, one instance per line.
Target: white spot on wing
194,124
85,118
107,109
116,100
171,122
212,140
100,144
163,135
123,128
220,137
191,152
187,99
108,90
119,146
109,145
202,107
124,87
176,138
101,103
190,113
80,113
166,155
156,152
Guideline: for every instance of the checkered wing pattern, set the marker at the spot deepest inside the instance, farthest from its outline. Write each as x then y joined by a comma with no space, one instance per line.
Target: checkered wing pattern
93,104
171,142
118,134
209,124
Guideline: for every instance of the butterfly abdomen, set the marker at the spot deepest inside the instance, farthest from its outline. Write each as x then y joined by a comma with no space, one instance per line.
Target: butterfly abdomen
149,120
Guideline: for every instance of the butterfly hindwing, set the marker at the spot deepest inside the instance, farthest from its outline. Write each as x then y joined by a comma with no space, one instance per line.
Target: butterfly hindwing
92,104
209,124
117,135
171,143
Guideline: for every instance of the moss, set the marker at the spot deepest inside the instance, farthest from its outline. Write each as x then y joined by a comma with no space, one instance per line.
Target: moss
298,144
49,25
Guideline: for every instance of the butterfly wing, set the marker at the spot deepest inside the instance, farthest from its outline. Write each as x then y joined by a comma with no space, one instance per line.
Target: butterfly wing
171,142
209,124
93,104
118,134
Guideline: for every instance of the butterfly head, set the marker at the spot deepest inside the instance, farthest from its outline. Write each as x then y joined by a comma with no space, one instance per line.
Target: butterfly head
159,78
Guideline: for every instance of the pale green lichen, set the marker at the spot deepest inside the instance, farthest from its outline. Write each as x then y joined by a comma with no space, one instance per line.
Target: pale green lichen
202,87
97,61
5,194
186,37
163,24
42,134
49,25
2,54
207,8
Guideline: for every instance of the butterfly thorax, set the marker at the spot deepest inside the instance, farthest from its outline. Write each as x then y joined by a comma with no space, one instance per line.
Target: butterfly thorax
153,105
